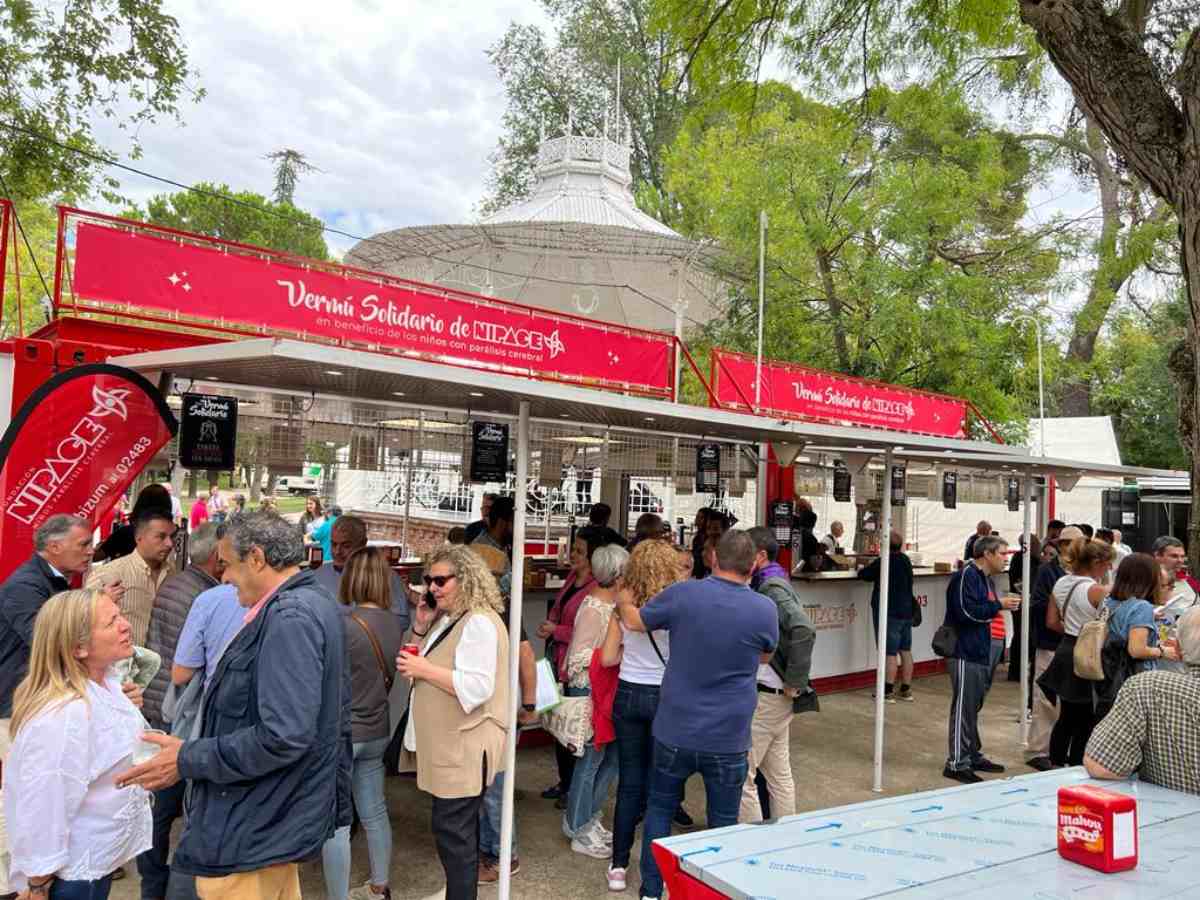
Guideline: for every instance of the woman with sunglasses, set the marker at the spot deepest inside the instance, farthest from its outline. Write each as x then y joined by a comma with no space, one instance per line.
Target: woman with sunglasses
459,708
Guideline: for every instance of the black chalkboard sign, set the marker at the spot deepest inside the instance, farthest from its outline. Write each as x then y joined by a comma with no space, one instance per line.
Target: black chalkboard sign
841,482
1014,494
782,513
898,495
489,451
208,432
950,490
708,468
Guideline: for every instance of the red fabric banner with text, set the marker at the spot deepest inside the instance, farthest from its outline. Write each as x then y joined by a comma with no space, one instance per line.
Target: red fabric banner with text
211,284
792,391
74,447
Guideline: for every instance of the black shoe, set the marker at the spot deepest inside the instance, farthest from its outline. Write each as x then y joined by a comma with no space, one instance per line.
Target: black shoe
1041,763
560,802
553,793
963,775
986,765
682,819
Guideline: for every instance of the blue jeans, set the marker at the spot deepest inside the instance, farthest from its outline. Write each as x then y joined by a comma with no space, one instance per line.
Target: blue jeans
724,775
367,786
81,890
594,774
633,718
489,821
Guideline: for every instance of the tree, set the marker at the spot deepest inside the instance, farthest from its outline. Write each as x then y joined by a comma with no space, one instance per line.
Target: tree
574,78
63,66
27,303
289,166
245,217
1133,67
895,249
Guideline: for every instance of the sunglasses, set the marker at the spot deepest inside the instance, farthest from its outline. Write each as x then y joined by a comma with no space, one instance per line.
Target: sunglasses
439,580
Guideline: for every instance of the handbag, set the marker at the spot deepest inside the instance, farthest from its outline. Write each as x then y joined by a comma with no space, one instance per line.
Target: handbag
389,673
945,640
570,722
918,614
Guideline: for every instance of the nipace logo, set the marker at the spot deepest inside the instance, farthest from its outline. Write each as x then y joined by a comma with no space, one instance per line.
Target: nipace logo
75,447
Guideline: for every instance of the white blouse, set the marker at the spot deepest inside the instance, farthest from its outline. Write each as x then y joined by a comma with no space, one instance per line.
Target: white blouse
66,814
474,674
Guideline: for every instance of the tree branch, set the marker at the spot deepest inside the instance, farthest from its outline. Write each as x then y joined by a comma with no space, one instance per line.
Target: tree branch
1116,83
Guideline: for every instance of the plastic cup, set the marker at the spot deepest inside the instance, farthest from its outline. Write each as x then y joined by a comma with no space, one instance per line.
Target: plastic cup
144,751
411,649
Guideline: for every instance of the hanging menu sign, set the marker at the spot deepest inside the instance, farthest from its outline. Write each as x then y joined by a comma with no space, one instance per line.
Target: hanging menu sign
841,482
708,468
208,432
898,496
1014,494
950,490
489,452
782,513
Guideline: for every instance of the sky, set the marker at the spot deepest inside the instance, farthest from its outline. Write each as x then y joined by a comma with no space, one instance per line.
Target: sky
396,103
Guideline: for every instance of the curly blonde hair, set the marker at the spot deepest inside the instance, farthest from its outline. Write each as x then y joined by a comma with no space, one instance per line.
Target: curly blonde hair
477,587
653,566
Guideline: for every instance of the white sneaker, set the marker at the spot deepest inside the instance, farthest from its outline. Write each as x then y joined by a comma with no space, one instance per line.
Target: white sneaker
365,893
588,843
604,832
616,879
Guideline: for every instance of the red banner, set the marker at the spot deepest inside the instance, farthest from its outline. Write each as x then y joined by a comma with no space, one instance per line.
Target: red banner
791,391
74,447
222,287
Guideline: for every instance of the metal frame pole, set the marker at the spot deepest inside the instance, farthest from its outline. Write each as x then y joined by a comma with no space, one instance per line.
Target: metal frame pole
885,553
1025,608
514,650
762,254
760,489
409,479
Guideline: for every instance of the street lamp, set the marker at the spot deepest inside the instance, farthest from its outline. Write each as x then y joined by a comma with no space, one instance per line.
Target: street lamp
1037,324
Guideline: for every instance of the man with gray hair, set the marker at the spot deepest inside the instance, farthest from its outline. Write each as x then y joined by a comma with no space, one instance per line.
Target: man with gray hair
62,549
270,769
171,607
721,631
971,604
349,535
1153,727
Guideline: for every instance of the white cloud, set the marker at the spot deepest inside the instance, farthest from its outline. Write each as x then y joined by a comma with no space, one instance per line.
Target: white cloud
395,103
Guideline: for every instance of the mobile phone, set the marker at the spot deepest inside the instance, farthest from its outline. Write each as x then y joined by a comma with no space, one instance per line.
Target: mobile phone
430,600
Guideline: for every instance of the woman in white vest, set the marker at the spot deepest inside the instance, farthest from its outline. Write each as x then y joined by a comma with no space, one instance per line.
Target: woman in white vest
459,709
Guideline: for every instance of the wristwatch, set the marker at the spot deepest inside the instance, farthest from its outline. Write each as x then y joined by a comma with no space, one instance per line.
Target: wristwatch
529,707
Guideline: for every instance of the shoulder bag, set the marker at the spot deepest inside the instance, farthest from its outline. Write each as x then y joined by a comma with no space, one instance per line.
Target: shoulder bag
389,672
1089,647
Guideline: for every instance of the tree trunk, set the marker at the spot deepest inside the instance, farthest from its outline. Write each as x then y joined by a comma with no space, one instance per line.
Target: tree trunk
1188,210
825,268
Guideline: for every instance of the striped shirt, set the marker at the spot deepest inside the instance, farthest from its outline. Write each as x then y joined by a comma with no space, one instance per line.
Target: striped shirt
1154,729
141,587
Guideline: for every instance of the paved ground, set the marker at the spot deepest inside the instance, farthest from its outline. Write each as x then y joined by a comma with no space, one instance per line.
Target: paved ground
831,761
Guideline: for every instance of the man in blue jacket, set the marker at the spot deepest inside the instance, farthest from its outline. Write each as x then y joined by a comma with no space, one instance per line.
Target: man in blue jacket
971,604
270,770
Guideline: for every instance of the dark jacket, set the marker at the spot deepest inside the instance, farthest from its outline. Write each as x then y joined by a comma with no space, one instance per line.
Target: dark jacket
475,529
900,586
1039,596
1016,571
171,607
270,771
792,659
970,607
21,596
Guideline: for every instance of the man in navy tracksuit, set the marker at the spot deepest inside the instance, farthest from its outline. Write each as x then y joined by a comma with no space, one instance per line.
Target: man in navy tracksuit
971,604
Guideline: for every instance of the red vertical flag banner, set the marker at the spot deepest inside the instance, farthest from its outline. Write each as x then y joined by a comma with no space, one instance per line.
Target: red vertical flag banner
75,446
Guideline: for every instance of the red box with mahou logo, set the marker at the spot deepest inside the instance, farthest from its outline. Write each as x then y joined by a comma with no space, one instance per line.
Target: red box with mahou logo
1097,828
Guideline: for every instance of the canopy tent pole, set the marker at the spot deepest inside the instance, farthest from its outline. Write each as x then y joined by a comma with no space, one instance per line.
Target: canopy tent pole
760,489
517,595
885,561
409,479
1025,610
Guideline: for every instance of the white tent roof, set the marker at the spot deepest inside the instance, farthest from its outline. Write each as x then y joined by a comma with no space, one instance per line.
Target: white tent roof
1085,438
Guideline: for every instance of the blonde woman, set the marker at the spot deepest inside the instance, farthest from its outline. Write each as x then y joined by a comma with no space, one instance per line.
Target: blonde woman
74,728
459,709
642,656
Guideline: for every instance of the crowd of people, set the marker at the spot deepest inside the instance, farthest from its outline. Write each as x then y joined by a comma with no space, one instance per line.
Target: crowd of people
159,692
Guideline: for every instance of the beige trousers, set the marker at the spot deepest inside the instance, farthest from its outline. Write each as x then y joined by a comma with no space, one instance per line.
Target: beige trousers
770,753
281,882
1045,713
5,856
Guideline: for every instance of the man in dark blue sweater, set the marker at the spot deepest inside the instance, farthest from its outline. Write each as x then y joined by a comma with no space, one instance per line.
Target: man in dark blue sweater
971,604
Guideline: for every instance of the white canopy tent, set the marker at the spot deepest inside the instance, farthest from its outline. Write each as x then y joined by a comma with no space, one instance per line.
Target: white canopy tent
327,371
